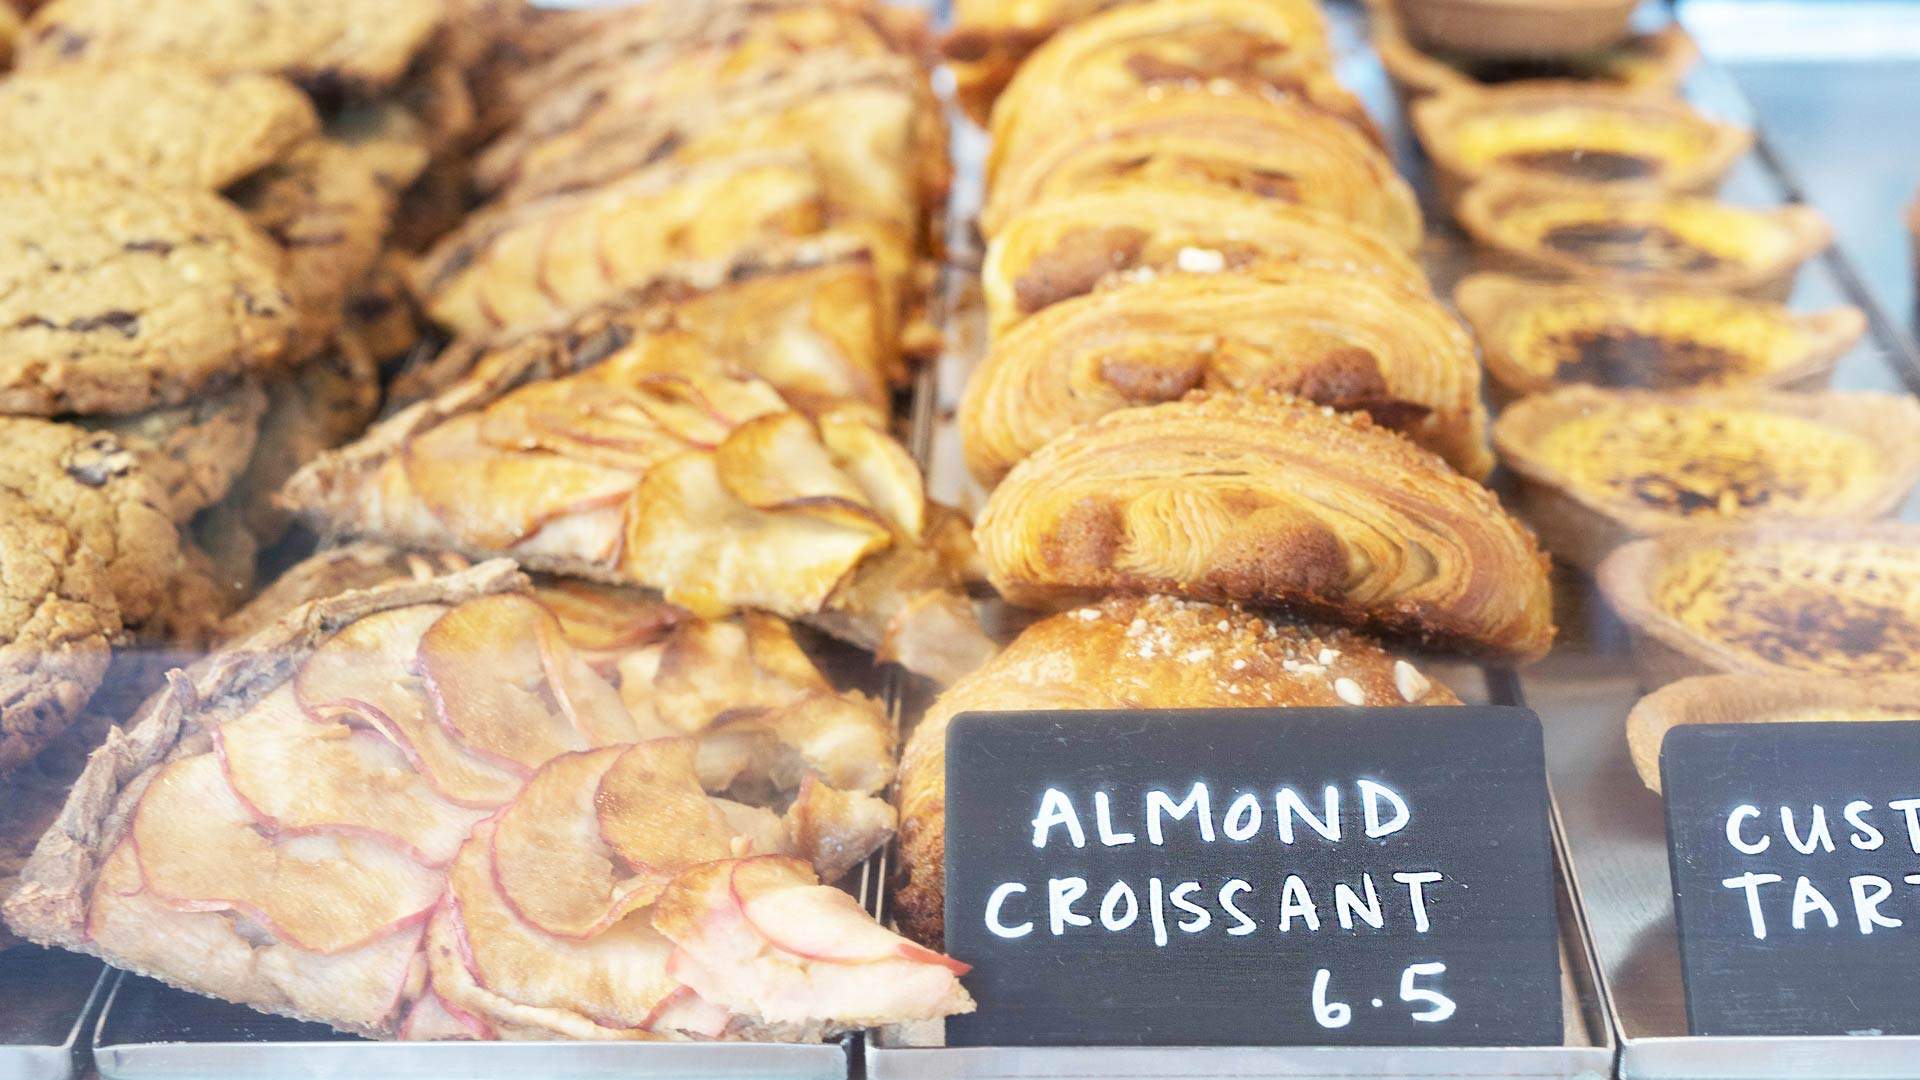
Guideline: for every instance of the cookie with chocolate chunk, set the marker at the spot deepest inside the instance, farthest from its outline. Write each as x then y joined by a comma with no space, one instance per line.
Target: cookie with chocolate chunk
117,297
356,47
160,123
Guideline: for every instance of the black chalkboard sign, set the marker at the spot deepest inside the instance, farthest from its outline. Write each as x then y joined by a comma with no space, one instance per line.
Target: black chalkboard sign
1795,851
1254,877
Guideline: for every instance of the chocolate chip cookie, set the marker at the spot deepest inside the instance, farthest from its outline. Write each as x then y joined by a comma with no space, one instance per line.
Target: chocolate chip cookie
329,208
355,47
194,451
164,123
116,298
57,621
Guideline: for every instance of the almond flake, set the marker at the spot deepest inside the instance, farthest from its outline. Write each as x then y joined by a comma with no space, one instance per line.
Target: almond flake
1412,685
1349,691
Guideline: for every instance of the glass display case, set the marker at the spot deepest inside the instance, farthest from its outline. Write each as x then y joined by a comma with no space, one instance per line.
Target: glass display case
509,506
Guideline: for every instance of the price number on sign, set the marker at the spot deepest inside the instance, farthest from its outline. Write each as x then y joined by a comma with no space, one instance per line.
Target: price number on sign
1434,1005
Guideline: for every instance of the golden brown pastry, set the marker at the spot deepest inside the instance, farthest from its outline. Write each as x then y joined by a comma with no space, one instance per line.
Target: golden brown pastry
1538,335
990,38
1269,501
707,487
1653,62
1761,699
807,319
1644,241
1577,134
1273,47
1600,467
1283,150
1820,598
1522,28
1350,341
1134,652
422,811
1068,246
524,264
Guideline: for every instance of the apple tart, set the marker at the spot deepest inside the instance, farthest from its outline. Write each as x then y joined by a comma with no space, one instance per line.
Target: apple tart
1644,241
707,487
1762,699
1134,652
1347,340
1600,467
1275,48
806,319
1818,598
1571,133
1540,335
420,811
1069,246
1270,501
1280,150
521,265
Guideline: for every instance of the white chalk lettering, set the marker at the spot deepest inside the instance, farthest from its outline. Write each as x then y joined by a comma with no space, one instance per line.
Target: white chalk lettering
1197,802
1751,882
1347,904
1110,907
994,902
1287,805
1806,900
1371,795
1866,907
1743,813
1296,902
1911,808
1057,809
1866,837
1242,925
1818,836
1061,893
1243,817
1103,822
1198,918
1416,895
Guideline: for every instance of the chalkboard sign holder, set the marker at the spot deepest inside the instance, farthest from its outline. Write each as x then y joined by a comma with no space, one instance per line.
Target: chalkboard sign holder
1169,823
1588,1052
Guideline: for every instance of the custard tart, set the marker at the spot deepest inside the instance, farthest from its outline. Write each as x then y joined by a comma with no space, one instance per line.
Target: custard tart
1600,467
422,811
1498,29
1538,335
1346,340
1067,247
1837,598
1641,240
1135,652
1277,48
1266,500
1280,150
1654,62
1762,699
1574,134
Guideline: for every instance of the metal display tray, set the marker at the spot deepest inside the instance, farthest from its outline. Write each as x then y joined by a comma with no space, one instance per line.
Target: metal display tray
45,998
1587,1049
1613,830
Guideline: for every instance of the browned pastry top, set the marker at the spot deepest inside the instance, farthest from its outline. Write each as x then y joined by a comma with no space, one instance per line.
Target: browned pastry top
1267,500
1135,652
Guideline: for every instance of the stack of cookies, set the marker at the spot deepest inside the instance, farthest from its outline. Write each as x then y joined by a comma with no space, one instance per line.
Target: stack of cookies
198,206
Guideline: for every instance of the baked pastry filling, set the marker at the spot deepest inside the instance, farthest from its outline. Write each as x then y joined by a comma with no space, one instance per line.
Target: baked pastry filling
1831,605
1659,236
1693,461
1578,142
1662,343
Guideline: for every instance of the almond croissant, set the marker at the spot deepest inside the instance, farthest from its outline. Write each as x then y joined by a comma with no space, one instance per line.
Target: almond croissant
1286,151
1068,246
1266,500
1346,340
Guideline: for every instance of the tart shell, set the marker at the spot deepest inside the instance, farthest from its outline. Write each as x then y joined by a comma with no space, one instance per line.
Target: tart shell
1580,527
1751,699
1529,28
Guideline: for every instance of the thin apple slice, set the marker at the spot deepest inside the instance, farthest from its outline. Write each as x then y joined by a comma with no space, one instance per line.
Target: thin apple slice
298,774
778,657
706,669
702,409
364,674
836,830
711,553
776,462
604,619
549,861
494,498
884,471
435,1019
615,979
653,813
133,928
589,702
844,739
687,1014
575,418
201,849
486,678
832,965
